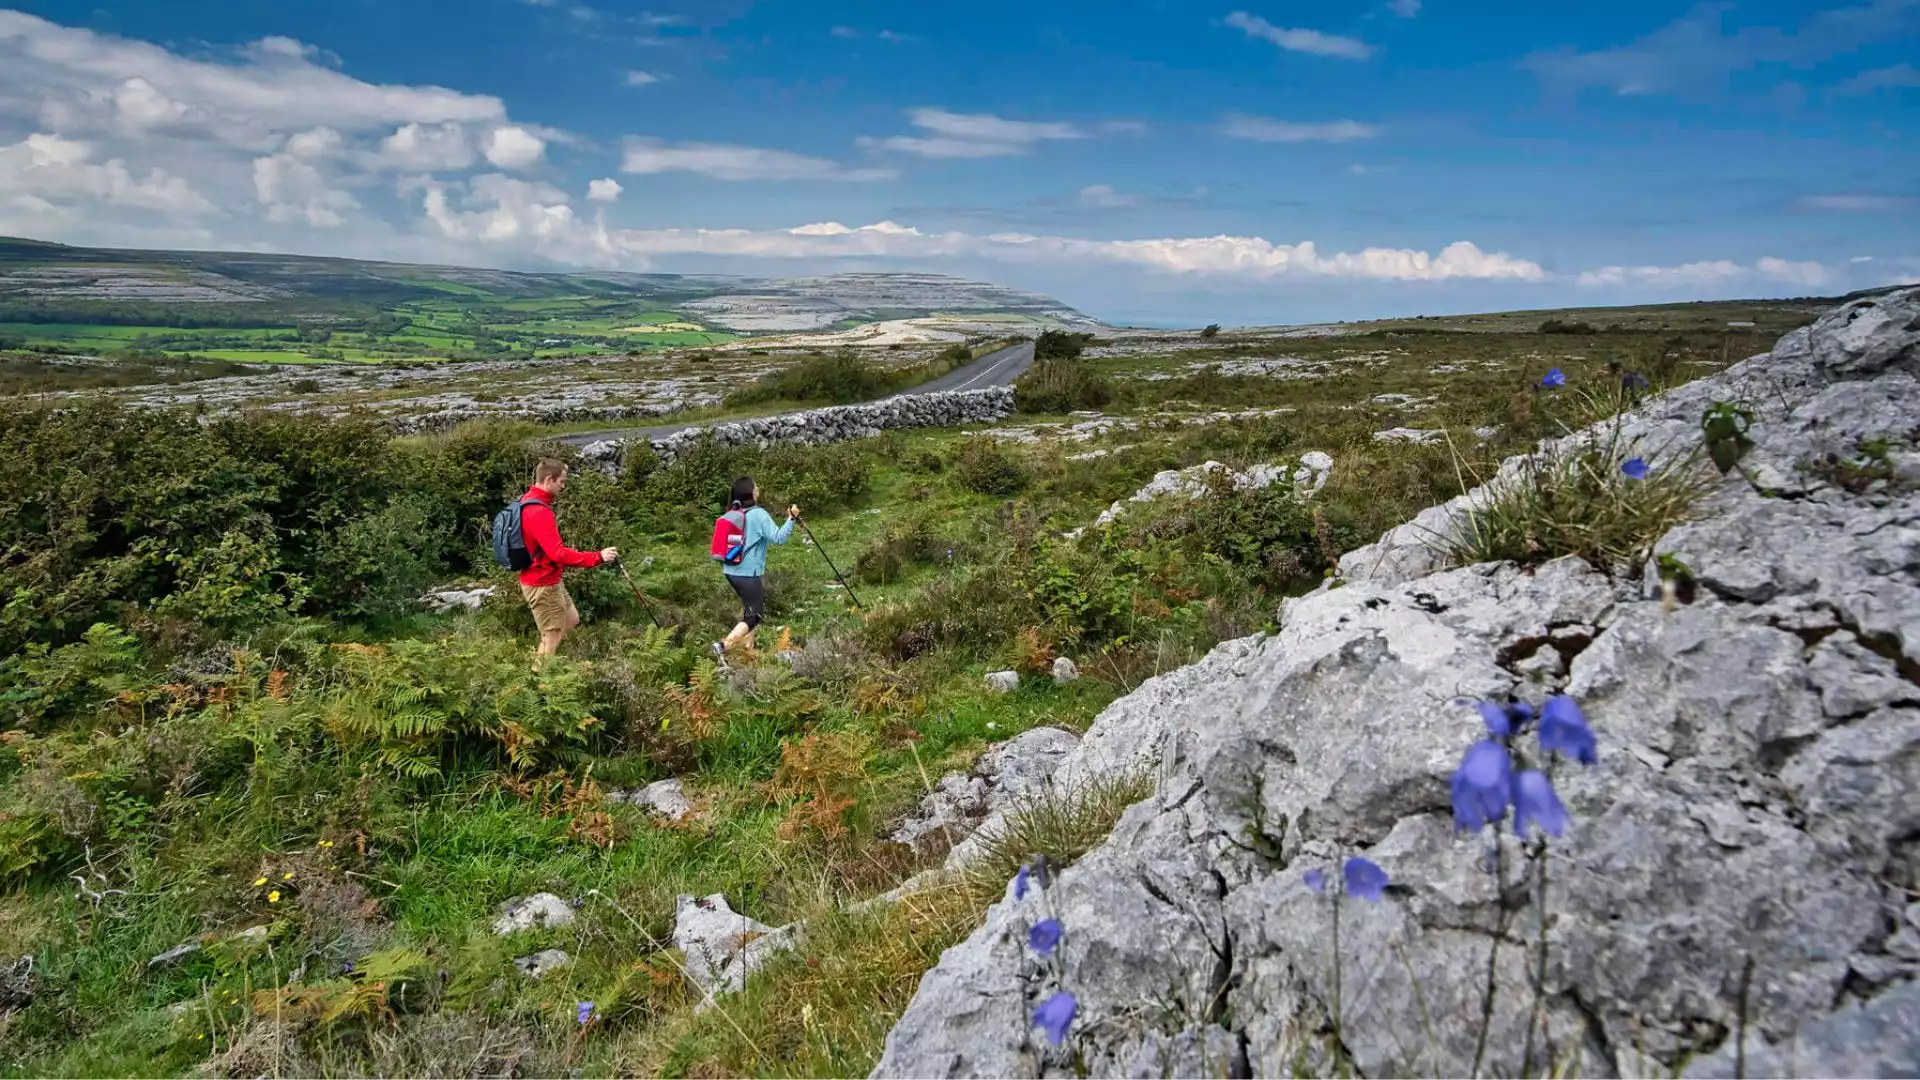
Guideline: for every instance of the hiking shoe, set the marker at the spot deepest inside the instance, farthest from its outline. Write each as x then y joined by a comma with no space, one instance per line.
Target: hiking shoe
719,651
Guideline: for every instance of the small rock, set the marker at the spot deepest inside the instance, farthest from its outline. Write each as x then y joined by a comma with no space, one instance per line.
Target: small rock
1003,682
252,935
721,945
536,912
1064,671
173,954
1417,436
666,798
542,963
1544,666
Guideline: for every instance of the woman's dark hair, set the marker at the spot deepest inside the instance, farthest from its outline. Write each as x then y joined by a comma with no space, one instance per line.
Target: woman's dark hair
742,496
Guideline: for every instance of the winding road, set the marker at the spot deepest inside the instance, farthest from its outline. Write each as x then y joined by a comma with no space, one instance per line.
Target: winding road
997,368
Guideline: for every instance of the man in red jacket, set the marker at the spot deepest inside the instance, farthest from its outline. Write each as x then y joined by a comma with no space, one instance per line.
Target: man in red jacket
553,610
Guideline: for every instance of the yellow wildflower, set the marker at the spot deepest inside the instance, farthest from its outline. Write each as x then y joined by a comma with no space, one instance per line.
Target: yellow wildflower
273,897
288,876
259,883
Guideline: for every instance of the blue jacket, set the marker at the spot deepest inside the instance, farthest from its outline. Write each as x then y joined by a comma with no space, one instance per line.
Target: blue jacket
760,532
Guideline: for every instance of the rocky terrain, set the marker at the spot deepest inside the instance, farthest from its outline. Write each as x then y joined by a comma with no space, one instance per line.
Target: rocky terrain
815,427
433,397
1744,856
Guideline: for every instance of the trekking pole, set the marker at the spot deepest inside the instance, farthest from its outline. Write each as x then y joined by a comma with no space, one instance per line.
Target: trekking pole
829,558
637,595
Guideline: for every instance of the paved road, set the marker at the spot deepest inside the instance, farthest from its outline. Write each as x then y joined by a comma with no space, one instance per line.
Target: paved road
994,369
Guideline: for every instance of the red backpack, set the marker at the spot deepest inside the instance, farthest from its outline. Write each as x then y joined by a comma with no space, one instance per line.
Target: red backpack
729,538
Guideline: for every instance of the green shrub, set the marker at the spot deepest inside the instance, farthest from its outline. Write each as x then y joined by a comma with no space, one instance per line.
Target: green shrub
1060,386
818,478
897,551
1059,345
985,468
839,378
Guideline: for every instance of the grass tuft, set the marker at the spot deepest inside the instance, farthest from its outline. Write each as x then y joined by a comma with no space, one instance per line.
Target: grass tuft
1580,502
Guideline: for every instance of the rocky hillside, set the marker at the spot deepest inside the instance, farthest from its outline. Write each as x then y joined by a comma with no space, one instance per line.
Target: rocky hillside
31,271
1742,855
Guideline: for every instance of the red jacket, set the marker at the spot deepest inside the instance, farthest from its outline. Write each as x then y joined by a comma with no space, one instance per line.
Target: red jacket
542,532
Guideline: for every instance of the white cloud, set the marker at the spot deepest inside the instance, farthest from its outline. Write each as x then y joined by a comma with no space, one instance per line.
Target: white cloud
1103,197
499,210
642,78
1303,41
1217,256
1811,275
1406,9
844,32
293,190
971,135
1260,129
139,105
1714,274
514,147
429,147
57,172
88,77
604,190
728,162
1859,203
319,143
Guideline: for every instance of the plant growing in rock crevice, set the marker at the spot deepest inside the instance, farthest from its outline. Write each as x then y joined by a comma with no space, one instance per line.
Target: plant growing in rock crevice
1494,779
1599,498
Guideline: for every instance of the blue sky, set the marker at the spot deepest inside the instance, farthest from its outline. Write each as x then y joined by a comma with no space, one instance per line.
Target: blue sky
1148,162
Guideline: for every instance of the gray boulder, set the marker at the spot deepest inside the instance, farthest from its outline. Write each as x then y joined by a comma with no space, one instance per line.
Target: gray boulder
1064,671
1003,682
1756,800
722,947
668,798
1004,775
537,912
543,963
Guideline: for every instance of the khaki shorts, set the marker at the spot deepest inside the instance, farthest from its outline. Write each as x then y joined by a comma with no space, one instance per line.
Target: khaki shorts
553,610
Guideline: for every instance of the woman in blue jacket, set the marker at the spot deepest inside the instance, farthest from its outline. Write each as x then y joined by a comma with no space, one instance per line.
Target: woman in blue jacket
747,576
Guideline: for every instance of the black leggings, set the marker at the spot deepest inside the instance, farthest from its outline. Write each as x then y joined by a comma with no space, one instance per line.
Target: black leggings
753,598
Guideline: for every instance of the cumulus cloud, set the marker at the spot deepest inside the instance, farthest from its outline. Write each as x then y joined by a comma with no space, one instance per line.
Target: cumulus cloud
724,161
1303,41
1712,274
429,147
971,135
1223,256
1260,129
321,142
54,171
92,78
1406,9
604,190
642,78
293,190
494,209
514,147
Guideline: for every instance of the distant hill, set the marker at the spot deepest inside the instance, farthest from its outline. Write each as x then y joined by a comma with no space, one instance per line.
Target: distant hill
54,277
